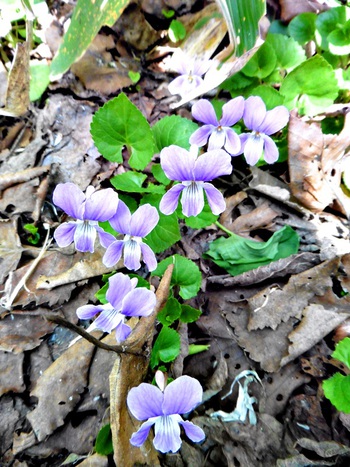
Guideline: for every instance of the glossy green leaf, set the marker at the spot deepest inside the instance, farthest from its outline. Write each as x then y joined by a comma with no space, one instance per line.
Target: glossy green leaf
328,22
159,175
173,130
262,63
177,31
88,18
166,232
339,40
170,313
342,351
311,87
337,390
302,27
289,53
39,79
186,275
269,95
133,182
166,347
238,254
193,349
119,123
242,18
189,314
104,444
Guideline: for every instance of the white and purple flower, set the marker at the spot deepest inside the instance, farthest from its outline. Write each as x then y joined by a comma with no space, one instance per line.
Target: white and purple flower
88,209
164,410
218,131
190,70
124,300
263,123
134,227
193,172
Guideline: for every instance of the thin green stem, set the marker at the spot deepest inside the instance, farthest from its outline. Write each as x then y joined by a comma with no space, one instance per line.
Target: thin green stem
224,229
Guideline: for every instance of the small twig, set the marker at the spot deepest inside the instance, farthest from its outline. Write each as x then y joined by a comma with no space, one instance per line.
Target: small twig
73,327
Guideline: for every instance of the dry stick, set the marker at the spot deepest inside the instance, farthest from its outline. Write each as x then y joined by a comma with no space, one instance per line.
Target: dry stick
129,371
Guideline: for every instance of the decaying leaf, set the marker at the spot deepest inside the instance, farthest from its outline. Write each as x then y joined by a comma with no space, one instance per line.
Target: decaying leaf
68,376
98,71
11,375
10,247
19,333
315,164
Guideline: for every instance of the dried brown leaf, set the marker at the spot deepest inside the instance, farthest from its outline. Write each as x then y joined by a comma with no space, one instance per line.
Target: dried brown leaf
20,333
60,387
316,323
9,179
273,305
315,164
11,374
10,247
294,264
291,8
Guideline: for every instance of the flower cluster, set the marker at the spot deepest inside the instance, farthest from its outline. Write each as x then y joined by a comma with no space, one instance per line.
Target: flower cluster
163,409
262,123
124,300
193,172
190,70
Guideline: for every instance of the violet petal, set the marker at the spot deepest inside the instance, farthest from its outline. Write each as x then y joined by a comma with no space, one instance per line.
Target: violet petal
254,112
139,437
106,238
113,253
64,234
108,320
122,332
85,236
215,199
88,311
132,255
139,302
167,433
182,395
70,198
119,285
143,221
101,205
121,220
177,163
253,149
200,136
192,199
148,257
212,164
194,432
275,120
217,139
204,112
170,200
145,401
270,150
232,111
233,143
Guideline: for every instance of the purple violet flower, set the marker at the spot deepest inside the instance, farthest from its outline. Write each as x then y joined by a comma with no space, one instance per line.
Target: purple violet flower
123,300
134,227
88,209
218,131
193,172
262,123
163,410
191,72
